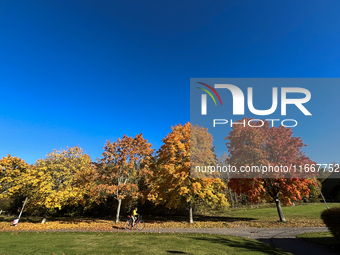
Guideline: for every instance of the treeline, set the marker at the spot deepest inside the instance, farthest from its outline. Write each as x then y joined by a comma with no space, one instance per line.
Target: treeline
130,173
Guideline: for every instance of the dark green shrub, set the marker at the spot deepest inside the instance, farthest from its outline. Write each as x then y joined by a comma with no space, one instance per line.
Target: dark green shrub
331,218
4,204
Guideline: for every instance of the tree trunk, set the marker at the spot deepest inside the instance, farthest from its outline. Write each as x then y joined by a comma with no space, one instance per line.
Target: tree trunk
118,210
45,216
235,195
274,190
191,220
231,199
279,210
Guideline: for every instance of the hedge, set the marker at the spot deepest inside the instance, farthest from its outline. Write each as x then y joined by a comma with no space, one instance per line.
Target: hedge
331,218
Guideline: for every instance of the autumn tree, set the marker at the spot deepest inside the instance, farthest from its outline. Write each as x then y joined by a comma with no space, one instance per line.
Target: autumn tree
61,178
12,170
263,146
314,193
171,183
123,163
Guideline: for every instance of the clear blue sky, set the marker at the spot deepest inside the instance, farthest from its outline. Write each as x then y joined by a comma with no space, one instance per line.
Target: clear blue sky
81,72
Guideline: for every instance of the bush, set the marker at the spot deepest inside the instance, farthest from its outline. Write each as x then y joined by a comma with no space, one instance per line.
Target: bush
331,218
4,204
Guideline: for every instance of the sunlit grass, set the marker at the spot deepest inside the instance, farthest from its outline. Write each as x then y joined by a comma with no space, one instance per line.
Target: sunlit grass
130,243
301,215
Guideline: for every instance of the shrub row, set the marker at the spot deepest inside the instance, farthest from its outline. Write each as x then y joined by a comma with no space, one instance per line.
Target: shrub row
331,218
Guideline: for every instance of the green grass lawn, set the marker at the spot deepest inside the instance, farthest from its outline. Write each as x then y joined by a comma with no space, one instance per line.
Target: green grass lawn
129,243
306,210
322,238
303,214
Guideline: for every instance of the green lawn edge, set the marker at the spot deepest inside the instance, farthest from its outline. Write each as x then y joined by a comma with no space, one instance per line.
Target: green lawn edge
130,243
325,239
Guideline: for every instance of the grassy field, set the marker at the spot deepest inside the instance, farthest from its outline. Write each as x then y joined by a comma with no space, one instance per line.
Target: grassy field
323,238
129,243
302,215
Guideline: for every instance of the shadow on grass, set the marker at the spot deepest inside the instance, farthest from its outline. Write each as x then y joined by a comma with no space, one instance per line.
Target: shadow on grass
223,218
177,218
329,242
117,227
248,245
147,218
62,220
177,252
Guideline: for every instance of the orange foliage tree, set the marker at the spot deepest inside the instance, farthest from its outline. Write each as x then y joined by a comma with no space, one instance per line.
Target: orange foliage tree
171,182
275,146
123,163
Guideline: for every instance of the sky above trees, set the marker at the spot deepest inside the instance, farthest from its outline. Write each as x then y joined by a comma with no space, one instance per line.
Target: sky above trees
83,72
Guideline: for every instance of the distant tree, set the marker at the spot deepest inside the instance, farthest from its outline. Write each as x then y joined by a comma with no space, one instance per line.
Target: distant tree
266,145
314,193
123,163
171,182
222,161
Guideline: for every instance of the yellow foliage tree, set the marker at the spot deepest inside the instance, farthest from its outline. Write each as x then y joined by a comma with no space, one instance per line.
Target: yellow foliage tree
171,182
62,178
11,172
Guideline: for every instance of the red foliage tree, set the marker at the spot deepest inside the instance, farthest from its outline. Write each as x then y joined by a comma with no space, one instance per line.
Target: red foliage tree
275,146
